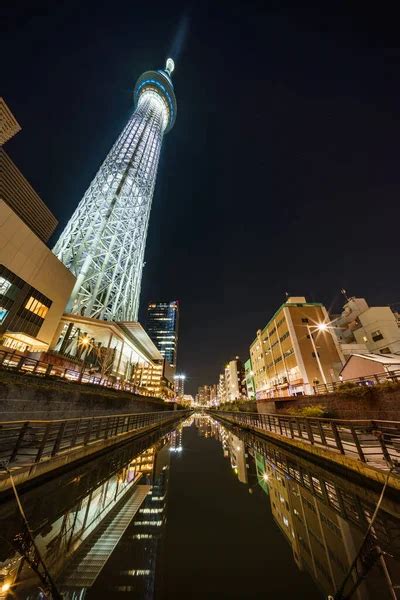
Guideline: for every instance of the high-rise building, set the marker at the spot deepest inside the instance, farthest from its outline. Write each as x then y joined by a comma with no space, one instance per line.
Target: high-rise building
234,375
295,351
179,385
162,327
104,242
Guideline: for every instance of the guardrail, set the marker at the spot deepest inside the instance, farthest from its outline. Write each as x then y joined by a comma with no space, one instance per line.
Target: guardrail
24,443
368,380
373,442
12,361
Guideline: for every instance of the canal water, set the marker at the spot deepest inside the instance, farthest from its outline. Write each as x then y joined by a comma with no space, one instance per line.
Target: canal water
200,512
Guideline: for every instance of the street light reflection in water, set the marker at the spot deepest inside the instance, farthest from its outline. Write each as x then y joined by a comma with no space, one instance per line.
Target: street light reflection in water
171,516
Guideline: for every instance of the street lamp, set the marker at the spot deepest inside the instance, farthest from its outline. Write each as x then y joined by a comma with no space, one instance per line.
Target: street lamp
318,327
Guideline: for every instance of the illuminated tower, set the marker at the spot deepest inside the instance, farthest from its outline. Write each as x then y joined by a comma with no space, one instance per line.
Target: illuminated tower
104,242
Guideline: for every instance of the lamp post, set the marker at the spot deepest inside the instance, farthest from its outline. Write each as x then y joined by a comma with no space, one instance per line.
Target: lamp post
319,327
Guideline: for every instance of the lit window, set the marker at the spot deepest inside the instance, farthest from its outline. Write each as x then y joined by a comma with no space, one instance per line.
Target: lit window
3,313
4,285
36,307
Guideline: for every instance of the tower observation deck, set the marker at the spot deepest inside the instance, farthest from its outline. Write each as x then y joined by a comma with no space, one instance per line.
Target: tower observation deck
104,242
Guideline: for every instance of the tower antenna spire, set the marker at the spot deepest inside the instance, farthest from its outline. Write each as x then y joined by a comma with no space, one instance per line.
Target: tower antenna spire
169,66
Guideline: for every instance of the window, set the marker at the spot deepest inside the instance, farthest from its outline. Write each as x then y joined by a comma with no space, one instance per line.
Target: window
36,307
377,335
3,313
4,285
304,320
385,351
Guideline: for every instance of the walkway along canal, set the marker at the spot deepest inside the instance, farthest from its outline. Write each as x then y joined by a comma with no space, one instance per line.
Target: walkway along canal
202,510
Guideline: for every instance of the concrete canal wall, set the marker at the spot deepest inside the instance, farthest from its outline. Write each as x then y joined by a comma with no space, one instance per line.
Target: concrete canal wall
30,397
380,402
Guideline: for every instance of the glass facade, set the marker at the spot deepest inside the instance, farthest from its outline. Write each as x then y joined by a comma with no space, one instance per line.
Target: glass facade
162,327
22,307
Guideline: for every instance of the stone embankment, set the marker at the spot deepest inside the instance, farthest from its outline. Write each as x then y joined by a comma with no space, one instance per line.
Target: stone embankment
24,396
379,402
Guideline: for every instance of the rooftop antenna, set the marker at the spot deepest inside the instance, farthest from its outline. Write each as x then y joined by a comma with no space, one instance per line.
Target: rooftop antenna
169,66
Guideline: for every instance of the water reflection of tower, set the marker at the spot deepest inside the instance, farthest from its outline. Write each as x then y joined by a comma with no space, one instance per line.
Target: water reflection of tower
134,564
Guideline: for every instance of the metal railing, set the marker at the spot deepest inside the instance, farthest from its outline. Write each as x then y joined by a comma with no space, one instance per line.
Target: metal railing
373,442
282,391
25,443
13,361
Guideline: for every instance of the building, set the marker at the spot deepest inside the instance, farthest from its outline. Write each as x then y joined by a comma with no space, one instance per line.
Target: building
221,389
234,375
15,190
105,349
386,366
34,284
373,329
249,380
9,125
162,326
179,386
295,350
104,242
203,396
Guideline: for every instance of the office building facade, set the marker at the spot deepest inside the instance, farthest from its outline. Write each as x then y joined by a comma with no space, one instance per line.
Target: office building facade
162,326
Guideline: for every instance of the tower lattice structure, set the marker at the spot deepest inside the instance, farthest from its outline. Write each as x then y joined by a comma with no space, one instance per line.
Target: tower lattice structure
104,242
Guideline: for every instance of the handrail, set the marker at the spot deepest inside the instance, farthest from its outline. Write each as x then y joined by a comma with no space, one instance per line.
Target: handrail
371,441
83,418
27,442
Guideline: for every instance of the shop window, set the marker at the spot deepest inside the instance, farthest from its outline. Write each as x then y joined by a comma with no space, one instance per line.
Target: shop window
36,307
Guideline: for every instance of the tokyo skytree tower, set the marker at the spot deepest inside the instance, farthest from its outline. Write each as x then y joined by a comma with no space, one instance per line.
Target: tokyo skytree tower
104,242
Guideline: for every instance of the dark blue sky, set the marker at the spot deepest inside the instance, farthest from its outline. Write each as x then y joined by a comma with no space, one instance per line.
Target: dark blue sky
281,173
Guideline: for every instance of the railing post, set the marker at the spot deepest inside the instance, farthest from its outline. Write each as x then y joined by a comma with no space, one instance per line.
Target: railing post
19,441
337,437
309,431
42,443
322,433
58,439
88,432
357,443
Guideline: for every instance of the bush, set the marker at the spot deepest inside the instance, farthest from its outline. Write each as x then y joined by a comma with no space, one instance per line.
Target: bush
316,410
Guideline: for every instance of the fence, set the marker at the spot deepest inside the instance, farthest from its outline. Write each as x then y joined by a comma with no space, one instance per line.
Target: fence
28,442
327,388
12,361
374,442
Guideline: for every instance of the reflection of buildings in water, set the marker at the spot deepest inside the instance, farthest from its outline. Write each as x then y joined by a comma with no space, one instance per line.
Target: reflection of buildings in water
176,440
68,523
188,422
203,425
132,566
323,542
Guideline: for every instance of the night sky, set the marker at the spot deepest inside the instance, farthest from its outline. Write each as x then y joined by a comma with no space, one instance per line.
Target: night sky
280,175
